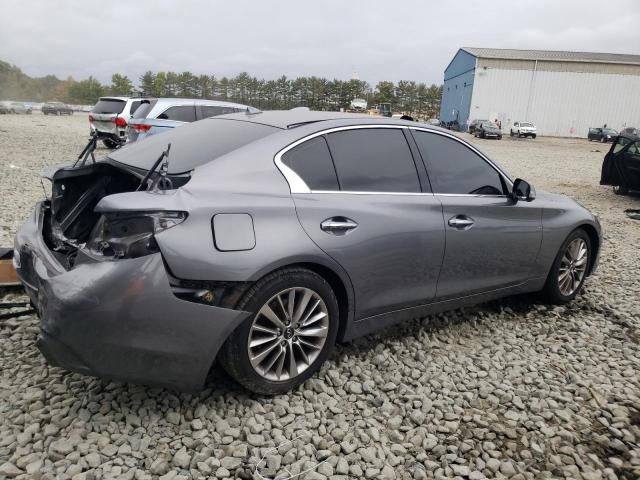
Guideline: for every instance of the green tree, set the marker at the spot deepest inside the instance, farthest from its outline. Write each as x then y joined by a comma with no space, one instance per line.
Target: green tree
120,85
86,91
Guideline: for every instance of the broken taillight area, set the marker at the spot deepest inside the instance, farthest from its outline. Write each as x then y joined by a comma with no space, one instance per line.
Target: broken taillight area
130,234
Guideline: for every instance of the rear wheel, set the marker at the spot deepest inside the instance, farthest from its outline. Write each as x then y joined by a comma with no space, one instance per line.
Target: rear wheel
620,190
569,269
533,136
289,335
112,144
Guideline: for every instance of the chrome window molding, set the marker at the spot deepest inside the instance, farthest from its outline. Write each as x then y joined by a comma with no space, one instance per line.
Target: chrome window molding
298,185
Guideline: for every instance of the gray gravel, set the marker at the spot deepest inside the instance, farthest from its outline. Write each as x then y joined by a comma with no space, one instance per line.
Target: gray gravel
512,389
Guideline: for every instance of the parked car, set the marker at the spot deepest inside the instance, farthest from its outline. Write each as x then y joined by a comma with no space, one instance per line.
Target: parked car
262,239
602,134
4,108
630,131
56,108
523,129
474,124
434,121
157,115
17,107
487,129
110,118
358,104
452,125
621,165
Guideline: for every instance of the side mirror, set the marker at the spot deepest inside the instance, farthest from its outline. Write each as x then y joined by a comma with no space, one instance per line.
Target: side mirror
522,190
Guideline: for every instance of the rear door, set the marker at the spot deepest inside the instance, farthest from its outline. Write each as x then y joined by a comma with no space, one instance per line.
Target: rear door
367,207
491,241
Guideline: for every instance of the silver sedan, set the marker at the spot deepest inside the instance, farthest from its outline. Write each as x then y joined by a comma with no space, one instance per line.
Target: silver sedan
262,239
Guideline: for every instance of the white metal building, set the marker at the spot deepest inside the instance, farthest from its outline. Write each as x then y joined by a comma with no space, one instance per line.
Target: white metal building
563,93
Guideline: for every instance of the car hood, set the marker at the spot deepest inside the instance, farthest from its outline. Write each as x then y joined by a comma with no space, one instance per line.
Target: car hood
491,129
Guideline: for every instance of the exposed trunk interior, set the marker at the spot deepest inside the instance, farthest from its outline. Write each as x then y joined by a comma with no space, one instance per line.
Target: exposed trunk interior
75,194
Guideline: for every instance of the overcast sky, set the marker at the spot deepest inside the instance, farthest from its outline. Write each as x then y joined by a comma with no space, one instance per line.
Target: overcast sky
379,40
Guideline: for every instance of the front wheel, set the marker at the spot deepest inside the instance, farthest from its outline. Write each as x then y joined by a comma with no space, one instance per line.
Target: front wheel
569,269
533,136
288,336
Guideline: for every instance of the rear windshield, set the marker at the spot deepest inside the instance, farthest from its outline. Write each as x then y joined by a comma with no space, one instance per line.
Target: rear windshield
109,106
144,109
193,144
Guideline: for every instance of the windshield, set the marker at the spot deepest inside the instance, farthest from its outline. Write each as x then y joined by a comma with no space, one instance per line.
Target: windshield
192,145
109,105
489,125
525,124
609,131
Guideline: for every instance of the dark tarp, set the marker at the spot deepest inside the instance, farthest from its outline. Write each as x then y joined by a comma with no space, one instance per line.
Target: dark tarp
621,165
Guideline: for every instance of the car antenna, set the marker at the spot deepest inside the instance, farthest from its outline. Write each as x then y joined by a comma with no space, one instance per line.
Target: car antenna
163,173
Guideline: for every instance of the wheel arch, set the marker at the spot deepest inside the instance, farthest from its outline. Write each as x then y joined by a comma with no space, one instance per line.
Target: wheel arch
594,238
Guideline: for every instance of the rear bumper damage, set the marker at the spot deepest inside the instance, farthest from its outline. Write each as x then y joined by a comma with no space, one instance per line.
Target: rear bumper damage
119,319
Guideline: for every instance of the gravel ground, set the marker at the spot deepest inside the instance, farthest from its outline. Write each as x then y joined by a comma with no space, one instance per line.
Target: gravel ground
511,389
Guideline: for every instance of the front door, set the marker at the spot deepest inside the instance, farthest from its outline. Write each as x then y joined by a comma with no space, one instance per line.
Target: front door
368,210
491,241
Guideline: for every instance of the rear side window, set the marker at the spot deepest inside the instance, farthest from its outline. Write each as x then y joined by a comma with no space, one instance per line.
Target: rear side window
213,110
373,160
109,106
311,160
183,113
456,169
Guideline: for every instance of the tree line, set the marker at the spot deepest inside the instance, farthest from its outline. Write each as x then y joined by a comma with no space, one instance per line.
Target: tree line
317,93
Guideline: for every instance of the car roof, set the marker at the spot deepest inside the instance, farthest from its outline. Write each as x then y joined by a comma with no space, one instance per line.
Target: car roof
197,101
297,116
124,99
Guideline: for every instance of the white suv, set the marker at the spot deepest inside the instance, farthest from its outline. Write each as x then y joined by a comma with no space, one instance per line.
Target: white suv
110,117
523,129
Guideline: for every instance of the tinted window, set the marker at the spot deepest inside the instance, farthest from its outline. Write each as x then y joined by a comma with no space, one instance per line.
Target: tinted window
312,161
109,106
192,145
373,160
213,110
455,168
183,113
134,106
620,144
143,110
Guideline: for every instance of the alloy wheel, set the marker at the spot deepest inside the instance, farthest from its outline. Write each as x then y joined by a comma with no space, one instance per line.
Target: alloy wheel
573,267
288,333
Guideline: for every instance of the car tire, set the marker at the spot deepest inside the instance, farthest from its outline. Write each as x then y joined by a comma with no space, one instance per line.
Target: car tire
620,190
555,290
111,144
499,137
234,355
533,136
511,133
603,140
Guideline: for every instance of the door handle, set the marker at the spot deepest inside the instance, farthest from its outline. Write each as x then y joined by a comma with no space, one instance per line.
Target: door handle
461,222
338,225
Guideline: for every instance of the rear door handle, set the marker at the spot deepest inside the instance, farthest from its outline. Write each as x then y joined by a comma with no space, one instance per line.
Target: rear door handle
338,225
461,222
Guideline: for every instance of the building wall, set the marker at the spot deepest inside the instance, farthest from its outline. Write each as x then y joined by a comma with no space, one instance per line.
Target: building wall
457,88
561,98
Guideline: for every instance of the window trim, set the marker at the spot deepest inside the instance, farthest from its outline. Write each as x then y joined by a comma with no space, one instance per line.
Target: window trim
298,186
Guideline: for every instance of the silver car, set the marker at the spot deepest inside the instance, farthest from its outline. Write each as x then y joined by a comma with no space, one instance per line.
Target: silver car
263,239
157,115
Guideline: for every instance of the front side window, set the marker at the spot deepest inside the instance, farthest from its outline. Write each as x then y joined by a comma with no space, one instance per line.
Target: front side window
311,160
456,169
183,113
373,160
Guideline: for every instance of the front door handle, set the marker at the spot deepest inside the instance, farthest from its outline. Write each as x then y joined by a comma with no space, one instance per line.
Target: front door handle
461,222
338,225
